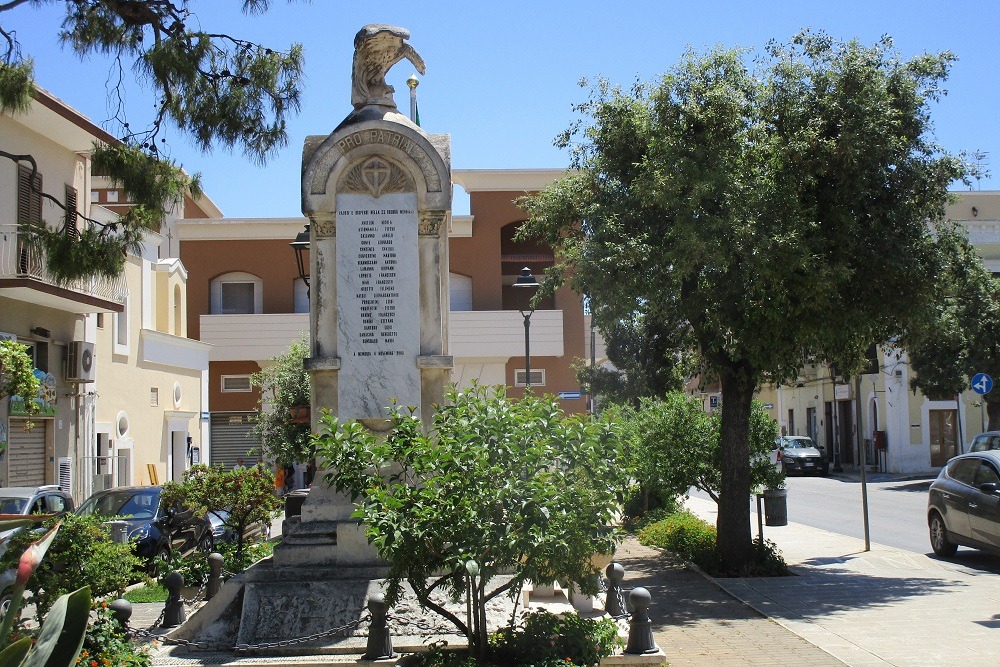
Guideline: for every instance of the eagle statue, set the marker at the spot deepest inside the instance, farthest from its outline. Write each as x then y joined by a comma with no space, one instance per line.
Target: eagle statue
377,48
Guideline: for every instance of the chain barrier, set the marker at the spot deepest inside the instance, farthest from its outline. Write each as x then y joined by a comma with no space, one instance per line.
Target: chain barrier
344,630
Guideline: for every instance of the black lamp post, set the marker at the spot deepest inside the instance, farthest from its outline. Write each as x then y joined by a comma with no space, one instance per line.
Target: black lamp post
526,280
301,245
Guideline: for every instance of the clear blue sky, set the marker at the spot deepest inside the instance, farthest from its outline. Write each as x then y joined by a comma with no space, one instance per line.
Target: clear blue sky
502,77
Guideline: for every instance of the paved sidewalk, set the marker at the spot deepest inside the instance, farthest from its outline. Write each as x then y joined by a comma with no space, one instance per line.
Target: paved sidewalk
883,607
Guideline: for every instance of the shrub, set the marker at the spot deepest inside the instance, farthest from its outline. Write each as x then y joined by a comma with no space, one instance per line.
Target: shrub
82,554
107,644
693,539
547,638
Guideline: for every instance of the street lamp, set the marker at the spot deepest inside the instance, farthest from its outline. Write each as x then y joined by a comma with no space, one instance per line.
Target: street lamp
526,281
301,245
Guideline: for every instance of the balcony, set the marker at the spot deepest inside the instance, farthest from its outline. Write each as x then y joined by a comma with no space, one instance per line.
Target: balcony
484,334
24,277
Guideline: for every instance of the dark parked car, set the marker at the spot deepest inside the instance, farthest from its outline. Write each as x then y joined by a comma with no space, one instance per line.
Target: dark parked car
26,500
222,533
155,530
963,506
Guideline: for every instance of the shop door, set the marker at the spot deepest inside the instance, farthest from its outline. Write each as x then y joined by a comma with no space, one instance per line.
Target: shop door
27,453
232,438
944,435
845,424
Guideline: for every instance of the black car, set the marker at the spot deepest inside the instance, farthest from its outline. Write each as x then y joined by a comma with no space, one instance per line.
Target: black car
154,530
963,507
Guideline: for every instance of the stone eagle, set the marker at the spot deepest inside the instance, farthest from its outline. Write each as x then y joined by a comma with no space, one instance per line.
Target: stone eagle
377,48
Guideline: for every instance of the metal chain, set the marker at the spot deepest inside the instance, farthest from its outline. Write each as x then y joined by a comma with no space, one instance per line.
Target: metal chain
245,648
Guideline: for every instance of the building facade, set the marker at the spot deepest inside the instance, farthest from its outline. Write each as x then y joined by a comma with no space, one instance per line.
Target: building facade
100,347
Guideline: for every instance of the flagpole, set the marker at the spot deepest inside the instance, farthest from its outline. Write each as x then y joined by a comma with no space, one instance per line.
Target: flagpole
413,82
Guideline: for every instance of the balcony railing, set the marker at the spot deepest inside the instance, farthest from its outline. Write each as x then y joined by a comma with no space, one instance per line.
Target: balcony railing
19,259
493,334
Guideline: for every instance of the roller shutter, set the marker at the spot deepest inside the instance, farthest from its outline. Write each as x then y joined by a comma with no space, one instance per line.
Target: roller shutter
27,454
232,438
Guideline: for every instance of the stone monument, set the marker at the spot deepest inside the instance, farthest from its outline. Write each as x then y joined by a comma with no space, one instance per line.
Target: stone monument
377,192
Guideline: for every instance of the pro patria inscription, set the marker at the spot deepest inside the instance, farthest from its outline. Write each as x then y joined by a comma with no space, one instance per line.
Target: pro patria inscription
378,315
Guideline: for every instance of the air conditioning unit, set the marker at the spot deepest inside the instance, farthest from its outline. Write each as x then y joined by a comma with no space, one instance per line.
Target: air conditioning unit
80,362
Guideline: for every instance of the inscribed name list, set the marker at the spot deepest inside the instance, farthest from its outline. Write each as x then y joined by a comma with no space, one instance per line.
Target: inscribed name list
378,303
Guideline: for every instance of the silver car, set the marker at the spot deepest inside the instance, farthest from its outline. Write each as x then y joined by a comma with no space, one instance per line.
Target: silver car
799,454
963,506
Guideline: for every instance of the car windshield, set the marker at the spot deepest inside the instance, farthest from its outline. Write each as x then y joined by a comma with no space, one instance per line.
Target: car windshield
139,504
789,443
13,505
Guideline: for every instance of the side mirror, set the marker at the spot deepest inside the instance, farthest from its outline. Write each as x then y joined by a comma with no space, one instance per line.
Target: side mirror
989,488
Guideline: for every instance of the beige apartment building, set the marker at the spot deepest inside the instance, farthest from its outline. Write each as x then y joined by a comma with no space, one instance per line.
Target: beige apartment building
122,385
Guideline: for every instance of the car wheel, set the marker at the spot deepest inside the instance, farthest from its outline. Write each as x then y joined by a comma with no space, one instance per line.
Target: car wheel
825,470
5,601
940,543
206,544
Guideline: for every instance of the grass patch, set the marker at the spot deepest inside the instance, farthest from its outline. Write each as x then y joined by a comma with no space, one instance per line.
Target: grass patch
694,539
148,593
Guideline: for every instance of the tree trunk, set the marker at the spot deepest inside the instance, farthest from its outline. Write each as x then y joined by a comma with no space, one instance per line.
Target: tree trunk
993,412
733,525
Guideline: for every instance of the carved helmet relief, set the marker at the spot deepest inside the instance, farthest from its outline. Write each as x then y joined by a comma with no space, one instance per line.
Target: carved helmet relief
377,47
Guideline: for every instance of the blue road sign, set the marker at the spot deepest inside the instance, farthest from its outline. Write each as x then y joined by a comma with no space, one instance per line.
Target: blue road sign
981,383
568,395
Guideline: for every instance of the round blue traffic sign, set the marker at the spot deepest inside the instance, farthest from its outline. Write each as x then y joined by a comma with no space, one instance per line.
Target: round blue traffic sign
981,383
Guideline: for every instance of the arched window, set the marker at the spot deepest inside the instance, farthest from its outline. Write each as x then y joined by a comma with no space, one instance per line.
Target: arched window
237,293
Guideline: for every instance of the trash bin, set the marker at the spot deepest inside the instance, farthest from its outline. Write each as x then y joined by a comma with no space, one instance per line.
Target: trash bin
293,502
775,507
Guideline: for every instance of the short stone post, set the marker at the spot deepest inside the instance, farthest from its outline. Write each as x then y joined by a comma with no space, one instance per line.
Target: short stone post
613,604
379,641
173,610
121,611
640,628
214,575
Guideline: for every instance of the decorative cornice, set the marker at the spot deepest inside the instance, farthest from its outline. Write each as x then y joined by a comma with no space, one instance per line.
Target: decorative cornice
431,222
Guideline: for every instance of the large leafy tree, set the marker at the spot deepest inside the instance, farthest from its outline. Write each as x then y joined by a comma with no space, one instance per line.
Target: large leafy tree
497,487
780,209
218,88
284,384
958,332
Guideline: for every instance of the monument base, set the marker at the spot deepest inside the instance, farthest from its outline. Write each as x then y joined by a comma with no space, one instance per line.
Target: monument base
268,604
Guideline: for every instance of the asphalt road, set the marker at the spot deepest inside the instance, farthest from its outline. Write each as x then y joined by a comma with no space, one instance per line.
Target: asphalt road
896,510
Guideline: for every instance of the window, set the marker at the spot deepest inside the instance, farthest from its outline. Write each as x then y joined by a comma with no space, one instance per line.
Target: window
236,383
100,320
537,377
29,196
987,475
964,470
121,328
237,294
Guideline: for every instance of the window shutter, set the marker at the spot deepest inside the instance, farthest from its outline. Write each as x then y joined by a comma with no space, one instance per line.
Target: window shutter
71,213
29,196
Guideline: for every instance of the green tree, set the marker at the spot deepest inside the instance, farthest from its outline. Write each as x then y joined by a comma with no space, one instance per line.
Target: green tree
217,88
498,487
649,356
673,445
284,384
246,494
780,209
17,374
958,332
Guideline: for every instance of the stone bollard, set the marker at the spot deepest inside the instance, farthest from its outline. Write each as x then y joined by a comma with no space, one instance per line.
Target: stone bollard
214,575
173,610
640,629
379,640
613,604
121,611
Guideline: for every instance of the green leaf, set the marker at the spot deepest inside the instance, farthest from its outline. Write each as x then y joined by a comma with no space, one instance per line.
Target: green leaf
62,633
14,654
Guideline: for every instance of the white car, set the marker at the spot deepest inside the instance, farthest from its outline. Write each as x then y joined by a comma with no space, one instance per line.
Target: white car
799,454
